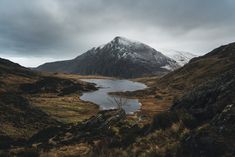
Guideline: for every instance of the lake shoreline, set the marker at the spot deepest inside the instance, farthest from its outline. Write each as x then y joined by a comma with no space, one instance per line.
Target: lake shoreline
104,99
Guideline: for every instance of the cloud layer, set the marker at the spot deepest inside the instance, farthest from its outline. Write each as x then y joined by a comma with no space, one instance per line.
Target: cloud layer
60,29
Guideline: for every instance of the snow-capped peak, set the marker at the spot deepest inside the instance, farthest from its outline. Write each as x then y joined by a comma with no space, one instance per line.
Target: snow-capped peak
121,57
124,41
134,51
181,57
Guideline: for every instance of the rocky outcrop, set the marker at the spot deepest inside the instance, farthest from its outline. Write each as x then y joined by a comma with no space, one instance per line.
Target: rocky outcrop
214,139
94,128
212,107
210,98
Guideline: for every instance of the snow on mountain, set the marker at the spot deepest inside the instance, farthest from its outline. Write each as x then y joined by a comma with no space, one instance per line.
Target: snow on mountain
120,57
181,57
136,51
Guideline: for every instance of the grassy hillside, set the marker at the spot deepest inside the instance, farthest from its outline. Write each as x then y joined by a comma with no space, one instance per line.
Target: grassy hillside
31,101
163,91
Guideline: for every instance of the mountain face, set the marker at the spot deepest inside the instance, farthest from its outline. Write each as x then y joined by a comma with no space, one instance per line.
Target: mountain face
119,58
180,57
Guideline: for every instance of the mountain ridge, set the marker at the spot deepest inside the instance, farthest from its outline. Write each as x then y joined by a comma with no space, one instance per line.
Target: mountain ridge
120,57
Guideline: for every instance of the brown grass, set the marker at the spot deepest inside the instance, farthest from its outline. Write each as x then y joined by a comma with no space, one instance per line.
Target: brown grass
78,77
68,109
67,151
163,90
17,132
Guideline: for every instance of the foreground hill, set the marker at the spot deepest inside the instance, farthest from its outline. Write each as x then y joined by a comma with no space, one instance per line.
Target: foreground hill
27,99
119,58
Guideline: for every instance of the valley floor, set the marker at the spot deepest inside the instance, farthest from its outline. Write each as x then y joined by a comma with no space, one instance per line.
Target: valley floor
70,108
67,109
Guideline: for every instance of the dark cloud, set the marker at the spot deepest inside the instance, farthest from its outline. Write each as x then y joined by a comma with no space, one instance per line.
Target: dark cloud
65,28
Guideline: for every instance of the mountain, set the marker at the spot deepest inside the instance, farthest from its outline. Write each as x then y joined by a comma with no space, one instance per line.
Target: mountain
119,58
181,57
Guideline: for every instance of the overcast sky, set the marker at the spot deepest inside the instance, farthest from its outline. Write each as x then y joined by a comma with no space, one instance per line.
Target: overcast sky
36,31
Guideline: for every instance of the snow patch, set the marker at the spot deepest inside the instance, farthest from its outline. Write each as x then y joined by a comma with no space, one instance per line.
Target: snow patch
125,41
181,57
167,67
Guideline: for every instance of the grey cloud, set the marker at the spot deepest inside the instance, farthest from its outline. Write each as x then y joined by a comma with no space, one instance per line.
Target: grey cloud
66,28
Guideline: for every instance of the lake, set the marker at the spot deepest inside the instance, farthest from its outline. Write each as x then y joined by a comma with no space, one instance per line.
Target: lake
106,101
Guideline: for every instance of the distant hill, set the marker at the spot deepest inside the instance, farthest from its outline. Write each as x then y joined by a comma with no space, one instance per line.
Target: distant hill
8,67
119,58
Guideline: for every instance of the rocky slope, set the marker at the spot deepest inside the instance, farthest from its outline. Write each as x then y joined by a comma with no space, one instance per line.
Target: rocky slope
203,109
119,58
212,110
